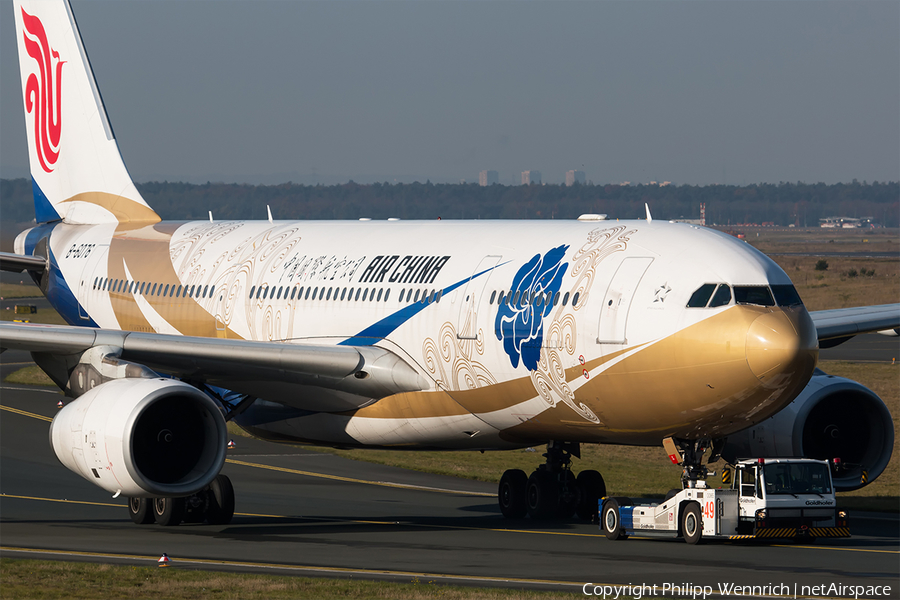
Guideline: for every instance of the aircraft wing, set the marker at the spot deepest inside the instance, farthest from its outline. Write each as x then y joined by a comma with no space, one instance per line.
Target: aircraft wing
334,377
844,323
18,263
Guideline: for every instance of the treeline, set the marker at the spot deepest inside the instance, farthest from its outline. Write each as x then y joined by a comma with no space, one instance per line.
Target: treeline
780,204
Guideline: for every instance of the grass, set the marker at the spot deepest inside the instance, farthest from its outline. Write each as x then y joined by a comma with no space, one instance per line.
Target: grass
46,316
19,290
77,580
835,288
29,376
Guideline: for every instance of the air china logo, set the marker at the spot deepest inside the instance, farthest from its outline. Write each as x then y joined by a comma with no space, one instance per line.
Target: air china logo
43,99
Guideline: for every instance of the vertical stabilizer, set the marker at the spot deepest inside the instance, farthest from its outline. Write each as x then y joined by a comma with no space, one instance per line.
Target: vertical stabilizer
76,169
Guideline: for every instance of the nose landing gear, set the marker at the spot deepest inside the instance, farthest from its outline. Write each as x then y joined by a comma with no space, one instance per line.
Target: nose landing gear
552,491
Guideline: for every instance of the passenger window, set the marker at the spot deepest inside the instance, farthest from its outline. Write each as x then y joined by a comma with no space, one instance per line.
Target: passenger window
501,297
516,298
431,297
721,297
166,291
307,294
387,294
380,290
759,295
293,292
358,290
417,296
538,299
575,299
212,291
566,299
437,297
786,295
328,295
493,295
278,296
343,293
153,291
365,294
701,296
205,290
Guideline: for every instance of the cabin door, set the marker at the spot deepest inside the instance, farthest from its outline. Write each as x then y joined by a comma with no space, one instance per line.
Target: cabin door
617,302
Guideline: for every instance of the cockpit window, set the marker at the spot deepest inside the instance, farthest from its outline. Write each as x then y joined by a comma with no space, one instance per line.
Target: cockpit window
722,296
786,295
759,295
701,296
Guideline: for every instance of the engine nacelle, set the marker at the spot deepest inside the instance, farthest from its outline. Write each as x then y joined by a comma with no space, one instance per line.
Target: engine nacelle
833,417
143,437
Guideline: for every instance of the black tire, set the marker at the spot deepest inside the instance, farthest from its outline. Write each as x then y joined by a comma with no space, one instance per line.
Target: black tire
542,495
591,488
567,489
140,510
221,501
511,494
692,523
168,511
611,520
671,494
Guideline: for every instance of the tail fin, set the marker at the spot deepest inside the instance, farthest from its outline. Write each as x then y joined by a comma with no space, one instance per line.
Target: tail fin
77,171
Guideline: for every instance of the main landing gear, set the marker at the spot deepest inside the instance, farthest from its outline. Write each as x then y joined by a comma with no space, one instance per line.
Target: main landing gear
215,505
552,491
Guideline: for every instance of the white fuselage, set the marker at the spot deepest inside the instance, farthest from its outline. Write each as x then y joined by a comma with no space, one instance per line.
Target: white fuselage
596,344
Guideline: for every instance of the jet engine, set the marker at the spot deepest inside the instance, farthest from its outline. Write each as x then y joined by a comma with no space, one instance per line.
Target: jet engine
832,418
142,437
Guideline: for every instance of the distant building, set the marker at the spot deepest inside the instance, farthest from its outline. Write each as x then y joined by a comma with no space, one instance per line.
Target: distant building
486,178
573,177
529,177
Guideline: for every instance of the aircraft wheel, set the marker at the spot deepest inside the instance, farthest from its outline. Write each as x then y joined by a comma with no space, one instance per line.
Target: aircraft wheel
140,510
568,495
221,501
591,488
611,519
691,524
168,511
542,495
511,494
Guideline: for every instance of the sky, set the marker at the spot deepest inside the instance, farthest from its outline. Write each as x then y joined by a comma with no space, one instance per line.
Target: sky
699,92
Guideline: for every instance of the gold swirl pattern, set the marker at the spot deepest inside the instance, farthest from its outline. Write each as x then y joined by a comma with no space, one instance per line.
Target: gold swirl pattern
601,244
550,378
451,361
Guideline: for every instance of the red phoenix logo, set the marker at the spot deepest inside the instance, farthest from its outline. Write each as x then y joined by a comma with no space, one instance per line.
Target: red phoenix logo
39,97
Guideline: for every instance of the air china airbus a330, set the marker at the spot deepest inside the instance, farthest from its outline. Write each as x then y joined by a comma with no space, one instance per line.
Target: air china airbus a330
455,335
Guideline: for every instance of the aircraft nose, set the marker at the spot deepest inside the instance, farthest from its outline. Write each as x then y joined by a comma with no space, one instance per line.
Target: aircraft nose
781,342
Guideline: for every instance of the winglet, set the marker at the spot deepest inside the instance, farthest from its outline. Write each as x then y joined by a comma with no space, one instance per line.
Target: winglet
269,210
647,208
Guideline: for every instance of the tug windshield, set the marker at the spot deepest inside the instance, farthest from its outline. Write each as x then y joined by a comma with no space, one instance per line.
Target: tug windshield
797,478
